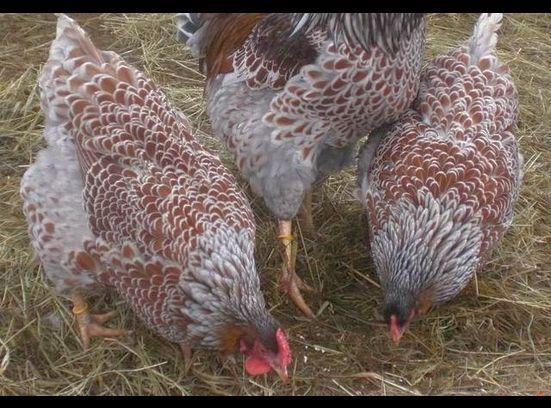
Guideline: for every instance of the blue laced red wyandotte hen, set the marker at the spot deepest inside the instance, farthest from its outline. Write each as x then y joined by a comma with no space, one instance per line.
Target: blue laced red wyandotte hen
290,95
440,185
124,197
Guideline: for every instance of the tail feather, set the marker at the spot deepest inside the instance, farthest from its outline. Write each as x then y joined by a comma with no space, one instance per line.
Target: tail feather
74,81
73,59
484,39
188,25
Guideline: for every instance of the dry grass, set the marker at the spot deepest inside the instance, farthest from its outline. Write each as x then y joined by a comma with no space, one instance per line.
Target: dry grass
494,339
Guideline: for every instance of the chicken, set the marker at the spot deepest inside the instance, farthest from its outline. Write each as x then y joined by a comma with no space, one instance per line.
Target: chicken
124,197
440,184
291,94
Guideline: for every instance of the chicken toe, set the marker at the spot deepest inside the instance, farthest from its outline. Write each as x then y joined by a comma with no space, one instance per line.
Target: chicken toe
91,325
290,282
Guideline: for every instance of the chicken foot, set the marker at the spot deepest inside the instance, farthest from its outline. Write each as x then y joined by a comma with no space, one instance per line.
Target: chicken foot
290,281
91,325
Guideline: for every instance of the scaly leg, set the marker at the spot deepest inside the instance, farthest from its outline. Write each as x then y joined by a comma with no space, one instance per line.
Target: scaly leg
91,325
305,218
186,352
290,281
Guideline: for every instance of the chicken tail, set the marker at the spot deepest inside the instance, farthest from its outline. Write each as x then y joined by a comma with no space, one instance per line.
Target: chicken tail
189,31
69,54
82,89
187,24
76,76
484,39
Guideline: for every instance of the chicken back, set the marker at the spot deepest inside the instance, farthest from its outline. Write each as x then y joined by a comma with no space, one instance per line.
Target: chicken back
124,197
440,184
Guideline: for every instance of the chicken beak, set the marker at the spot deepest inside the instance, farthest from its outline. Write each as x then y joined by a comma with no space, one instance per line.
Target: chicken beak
396,332
282,372
396,335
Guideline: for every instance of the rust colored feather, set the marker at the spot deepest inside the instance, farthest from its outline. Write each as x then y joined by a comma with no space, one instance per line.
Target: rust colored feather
125,197
227,32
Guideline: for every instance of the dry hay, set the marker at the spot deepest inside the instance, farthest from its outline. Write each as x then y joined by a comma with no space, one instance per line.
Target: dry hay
493,339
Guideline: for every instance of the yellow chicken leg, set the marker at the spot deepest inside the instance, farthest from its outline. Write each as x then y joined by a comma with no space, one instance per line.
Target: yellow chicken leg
305,218
290,282
91,325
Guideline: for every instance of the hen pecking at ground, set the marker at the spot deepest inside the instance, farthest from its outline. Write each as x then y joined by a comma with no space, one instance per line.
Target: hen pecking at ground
124,197
440,185
291,94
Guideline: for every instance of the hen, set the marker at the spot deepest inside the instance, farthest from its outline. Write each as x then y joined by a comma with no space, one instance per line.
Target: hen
290,95
124,197
440,184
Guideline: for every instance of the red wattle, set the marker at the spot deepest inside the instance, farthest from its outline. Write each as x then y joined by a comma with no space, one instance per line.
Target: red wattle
256,366
284,349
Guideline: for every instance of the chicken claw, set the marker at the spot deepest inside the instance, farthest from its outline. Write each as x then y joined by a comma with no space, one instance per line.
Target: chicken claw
91,325
290,282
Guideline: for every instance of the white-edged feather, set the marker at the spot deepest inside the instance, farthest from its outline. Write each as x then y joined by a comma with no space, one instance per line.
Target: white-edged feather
484,39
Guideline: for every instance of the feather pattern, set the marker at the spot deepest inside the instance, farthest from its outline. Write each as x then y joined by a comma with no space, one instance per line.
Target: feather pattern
125,197
441,187
384,30
304,88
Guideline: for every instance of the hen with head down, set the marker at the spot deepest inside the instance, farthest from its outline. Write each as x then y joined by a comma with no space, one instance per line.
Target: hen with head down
124,197
441,183
291,94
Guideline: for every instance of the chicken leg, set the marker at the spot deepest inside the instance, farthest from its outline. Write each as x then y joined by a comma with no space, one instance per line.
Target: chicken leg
187,354
290,282
91,325
305,218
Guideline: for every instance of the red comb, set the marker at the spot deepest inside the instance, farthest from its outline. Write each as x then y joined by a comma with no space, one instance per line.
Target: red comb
283,347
